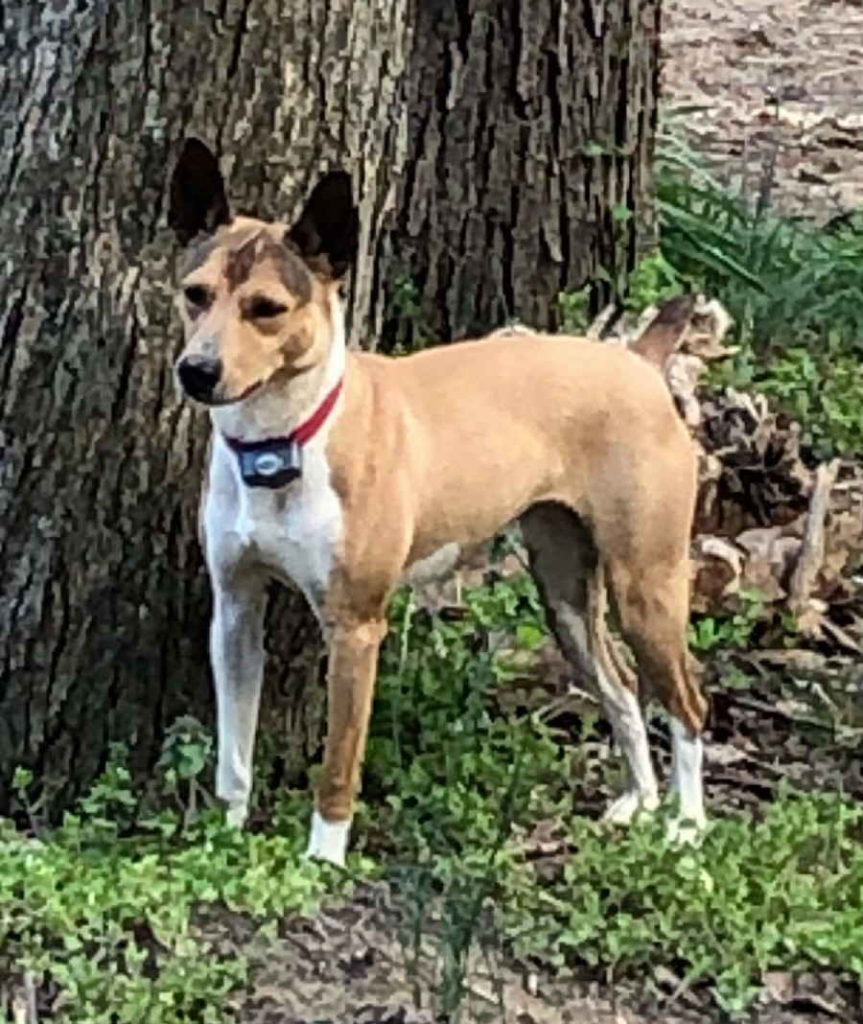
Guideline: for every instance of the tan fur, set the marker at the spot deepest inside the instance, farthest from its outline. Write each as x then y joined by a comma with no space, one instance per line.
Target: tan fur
253,352
470,436
579,441
454,443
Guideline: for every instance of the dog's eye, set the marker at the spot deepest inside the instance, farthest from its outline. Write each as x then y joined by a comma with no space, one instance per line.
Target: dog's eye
265,309
197,295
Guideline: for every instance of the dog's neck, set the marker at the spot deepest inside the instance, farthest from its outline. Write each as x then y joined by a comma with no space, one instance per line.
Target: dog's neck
280,407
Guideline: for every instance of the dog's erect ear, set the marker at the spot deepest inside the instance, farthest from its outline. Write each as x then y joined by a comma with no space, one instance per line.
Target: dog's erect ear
198,200
327,233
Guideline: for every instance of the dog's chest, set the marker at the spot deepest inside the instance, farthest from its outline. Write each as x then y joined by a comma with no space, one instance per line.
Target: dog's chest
292,533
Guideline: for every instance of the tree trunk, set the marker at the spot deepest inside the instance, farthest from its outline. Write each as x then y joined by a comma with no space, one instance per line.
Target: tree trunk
104,606
508,138
531,129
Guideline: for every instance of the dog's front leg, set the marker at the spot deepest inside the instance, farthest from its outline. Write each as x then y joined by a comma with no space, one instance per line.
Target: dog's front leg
353,660
237,655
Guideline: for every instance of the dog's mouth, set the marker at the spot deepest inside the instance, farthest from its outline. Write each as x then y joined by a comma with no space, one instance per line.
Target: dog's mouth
214,399
246,393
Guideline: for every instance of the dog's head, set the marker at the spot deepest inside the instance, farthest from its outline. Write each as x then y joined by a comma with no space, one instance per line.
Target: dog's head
254,296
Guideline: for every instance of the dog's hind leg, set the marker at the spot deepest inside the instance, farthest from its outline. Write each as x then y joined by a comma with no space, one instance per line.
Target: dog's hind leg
237,656
653,603
565,564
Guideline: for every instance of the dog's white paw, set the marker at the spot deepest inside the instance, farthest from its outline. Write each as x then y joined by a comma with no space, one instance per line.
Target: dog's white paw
328,840
237,813
622,810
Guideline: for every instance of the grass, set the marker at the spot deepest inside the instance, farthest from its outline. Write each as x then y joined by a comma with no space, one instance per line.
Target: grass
780,894
783,279
794,289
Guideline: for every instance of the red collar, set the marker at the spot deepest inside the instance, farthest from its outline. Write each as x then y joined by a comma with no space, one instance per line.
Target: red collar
299,435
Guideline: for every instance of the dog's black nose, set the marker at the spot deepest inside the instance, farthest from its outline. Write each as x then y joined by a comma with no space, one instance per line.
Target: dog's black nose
199,375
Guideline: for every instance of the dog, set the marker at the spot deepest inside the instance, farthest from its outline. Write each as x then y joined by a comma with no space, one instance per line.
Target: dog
348,473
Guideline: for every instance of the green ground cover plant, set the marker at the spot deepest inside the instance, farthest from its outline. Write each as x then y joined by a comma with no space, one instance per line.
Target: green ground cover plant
785,891
103,910
106,909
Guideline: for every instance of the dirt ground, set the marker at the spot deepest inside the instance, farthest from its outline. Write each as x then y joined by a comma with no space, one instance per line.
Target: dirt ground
347,967
769,91
752,81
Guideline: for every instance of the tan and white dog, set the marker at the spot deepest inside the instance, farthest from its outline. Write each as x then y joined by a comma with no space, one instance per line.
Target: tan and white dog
348,473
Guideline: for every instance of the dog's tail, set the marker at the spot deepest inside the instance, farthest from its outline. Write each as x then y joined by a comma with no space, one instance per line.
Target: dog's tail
660,338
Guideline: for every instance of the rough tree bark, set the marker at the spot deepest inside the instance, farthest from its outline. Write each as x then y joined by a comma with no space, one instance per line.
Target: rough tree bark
104,602
531,129
501,133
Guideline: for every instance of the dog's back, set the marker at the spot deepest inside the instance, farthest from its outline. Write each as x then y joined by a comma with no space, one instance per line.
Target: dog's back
592,404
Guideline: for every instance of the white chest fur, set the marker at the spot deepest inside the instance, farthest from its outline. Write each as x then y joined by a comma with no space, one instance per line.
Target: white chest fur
291,533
